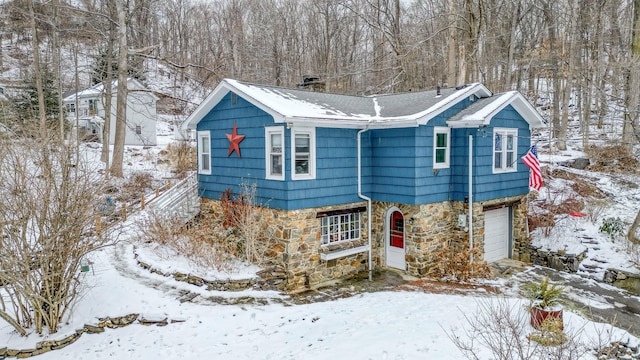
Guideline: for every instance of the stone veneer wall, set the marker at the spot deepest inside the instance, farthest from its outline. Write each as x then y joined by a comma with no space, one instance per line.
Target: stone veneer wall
428,225
297,238
297,245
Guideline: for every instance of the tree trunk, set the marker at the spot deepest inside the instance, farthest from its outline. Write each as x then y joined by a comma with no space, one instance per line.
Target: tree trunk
512,48
108,97
631,235
121,100
37,73
452,45
632,97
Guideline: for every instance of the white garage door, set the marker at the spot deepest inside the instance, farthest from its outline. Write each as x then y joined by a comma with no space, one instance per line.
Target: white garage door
496,234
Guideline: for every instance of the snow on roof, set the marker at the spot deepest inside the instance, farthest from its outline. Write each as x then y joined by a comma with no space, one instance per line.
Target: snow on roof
334,110
98,89
320,109
482,111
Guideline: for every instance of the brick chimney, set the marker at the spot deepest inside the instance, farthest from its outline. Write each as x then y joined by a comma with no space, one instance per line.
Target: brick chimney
312,83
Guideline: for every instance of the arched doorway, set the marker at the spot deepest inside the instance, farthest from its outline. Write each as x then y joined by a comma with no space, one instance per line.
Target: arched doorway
395,239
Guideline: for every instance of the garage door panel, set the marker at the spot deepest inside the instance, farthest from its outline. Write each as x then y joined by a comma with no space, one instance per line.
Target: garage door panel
496,236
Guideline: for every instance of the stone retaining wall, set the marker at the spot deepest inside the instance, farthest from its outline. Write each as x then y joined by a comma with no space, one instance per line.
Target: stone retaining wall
561,262
623,279
110,322
270,279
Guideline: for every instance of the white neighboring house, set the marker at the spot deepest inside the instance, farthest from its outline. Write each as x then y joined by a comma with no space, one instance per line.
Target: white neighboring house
141,112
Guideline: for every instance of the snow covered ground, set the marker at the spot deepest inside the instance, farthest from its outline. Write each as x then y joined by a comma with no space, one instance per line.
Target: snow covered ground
380,325
383,325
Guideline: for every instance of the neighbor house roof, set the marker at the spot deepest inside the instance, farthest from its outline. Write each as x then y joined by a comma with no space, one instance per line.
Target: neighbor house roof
98,89
321,109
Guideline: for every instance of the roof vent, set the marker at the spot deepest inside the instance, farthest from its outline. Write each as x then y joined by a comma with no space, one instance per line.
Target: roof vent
313,83
460,87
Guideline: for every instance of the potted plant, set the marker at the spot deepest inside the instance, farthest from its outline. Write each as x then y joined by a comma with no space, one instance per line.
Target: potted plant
545,302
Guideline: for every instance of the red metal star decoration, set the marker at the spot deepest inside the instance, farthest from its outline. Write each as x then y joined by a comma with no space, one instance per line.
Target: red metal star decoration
234,141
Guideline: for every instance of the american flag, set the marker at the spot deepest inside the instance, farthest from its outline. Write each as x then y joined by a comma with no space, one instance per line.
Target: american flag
532,162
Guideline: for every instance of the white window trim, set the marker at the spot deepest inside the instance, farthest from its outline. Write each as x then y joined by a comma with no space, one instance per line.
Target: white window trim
441,130
202,135
514,164
341,237
268,131
312,153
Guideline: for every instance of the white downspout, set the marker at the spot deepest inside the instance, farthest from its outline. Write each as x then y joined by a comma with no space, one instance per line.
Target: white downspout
368,199
470,203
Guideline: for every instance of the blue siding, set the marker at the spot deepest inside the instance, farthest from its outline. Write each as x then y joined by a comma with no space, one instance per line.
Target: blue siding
403,159
486,184
336,161
397,164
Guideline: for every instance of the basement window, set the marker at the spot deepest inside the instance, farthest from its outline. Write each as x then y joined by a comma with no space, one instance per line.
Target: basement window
340,228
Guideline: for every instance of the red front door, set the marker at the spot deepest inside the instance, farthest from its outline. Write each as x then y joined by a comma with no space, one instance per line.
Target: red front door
396,238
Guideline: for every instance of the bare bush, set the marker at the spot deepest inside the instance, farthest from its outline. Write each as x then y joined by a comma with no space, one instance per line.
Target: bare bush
502,327
248,220
182,157
212,240
614,158
204,241
596,209
47,215
135,186
453,263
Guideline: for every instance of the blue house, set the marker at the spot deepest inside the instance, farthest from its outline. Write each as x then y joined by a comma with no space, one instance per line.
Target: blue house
349,183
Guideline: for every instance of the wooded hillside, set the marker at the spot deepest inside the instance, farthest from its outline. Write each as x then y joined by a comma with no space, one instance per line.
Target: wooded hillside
573,58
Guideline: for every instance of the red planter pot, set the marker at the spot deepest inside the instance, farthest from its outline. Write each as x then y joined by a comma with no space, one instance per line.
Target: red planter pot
539,315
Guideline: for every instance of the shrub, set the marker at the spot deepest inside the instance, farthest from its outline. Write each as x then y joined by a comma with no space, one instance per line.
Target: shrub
550,333
544,293
612,226
204,242
182,158
452,263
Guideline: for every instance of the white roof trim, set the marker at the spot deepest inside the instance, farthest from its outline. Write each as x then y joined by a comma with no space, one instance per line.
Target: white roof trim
476,89
98,89
483,116
281,114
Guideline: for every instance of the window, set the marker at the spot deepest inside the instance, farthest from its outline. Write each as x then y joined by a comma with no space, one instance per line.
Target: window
204,152
138,129
441,147
92,107
303,150
337,228
71,107
274,150
505,145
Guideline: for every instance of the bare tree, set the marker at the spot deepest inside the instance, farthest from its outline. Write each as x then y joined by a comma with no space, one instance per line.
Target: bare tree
47,217
122,91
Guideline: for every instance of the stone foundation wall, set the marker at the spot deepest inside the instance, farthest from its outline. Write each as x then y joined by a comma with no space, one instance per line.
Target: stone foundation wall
297,245
297,238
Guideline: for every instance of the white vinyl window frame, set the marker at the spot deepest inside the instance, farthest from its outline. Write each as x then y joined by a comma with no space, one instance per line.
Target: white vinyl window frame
340,228
204,152
303,153
274,152
441,133
505,150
